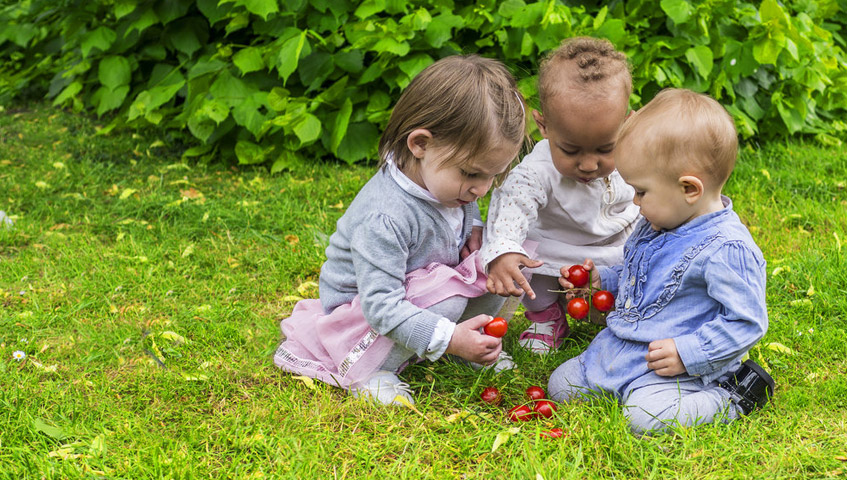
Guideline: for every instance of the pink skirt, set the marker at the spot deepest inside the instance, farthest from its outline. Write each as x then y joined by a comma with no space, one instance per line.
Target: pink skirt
341,348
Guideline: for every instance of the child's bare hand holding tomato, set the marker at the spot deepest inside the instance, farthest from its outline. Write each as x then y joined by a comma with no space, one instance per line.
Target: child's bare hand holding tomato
568,276
505,277
468,343
663,357
473,244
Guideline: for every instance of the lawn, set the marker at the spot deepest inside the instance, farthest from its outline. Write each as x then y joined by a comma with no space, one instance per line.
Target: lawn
146,293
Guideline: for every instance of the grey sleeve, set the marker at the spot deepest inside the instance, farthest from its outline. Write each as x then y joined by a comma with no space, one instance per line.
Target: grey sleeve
380,250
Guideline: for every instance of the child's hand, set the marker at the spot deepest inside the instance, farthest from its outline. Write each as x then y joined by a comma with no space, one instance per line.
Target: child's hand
663,357
473,244
505,277
468,343
588,265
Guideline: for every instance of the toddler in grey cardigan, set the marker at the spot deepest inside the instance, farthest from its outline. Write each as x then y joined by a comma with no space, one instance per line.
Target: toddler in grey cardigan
401,280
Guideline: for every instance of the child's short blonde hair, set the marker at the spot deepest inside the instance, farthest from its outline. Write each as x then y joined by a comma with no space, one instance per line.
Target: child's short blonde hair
467,102
595,62
686,133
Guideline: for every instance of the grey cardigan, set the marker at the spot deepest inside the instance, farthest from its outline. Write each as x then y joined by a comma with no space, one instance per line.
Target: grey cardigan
385,234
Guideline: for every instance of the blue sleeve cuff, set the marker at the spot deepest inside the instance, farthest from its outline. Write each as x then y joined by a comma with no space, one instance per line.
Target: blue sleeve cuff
609,279
692,355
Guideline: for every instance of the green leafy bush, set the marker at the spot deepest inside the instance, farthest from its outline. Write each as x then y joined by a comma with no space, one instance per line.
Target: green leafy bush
280,82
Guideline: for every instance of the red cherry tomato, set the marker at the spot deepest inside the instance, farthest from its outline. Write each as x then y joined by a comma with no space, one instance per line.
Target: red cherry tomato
603,300
578,276
496,327
521,413
491,395
578,308
545,408
535,393
553,433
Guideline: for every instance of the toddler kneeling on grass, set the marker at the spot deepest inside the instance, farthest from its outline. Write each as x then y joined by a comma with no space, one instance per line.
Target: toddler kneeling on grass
392,289
690,294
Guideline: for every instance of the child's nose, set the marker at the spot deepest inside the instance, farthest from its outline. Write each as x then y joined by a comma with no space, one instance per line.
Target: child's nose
481,188
589,163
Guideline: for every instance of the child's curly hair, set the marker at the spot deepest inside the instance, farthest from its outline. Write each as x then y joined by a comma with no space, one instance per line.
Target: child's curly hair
596,62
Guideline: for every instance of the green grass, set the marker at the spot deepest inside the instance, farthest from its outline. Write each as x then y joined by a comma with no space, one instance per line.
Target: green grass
117,242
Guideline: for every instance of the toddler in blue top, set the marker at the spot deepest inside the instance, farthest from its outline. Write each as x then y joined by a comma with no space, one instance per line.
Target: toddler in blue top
690,294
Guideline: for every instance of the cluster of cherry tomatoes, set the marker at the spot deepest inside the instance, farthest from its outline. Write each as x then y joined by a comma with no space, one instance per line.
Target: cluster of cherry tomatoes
578,307
540,407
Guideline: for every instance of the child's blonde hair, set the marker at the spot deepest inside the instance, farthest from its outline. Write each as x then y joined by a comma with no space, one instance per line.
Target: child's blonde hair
467,102
595,62
687,133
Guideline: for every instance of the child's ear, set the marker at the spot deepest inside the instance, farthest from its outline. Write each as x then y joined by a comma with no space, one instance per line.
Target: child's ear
692,188
417,141
539,120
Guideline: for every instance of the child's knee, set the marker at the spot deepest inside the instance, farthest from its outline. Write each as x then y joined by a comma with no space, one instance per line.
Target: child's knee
642,421
566,382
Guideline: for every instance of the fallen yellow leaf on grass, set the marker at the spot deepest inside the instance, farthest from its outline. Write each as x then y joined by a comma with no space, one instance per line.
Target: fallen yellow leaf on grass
503,437
778,347
458,416
406,403
306,287
126,193
310,384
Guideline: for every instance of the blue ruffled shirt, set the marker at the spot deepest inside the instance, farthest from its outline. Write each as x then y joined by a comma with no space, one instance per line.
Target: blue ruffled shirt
701,284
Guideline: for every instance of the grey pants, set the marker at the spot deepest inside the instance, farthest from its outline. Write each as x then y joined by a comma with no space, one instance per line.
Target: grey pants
541,285
655,407
456,309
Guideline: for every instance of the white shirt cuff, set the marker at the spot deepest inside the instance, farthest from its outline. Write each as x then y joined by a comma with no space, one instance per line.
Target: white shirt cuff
440,339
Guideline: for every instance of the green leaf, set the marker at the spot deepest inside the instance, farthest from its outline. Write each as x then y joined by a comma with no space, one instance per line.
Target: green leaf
248,115
102,38
248,60
278,99
510,8
359,143
307,129
413,64
678,10
315,68
770,10
342,120
351,61
212,11
767,48
289,55
392,45
249,153
262,8
213,109
369,7
202,67
69,92
143,22
114,71
229,89
187,36
111,99
151,99
124,8
55,433
171,10
440,29
702,59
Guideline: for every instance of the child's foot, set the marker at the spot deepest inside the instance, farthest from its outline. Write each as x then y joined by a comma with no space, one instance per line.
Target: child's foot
504,362
547,330
382,386
749,387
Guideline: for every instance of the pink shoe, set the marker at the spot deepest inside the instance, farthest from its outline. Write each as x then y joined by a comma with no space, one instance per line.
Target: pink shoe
549,327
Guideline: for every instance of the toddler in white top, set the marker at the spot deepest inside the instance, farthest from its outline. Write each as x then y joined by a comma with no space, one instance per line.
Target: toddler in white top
566,194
